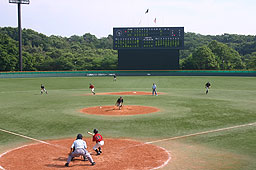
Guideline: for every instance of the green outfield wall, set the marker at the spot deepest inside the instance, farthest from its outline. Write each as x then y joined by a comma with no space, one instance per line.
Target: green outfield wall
126,73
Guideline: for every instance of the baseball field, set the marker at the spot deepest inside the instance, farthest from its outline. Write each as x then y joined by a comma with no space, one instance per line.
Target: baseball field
189,131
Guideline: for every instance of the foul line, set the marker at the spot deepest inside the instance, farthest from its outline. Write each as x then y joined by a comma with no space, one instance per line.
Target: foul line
201,133
13,133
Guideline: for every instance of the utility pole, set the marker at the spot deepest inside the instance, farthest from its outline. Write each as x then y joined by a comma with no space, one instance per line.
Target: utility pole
19,2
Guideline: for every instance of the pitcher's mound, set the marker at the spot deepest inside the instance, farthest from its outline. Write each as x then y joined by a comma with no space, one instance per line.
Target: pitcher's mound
117,154
114,111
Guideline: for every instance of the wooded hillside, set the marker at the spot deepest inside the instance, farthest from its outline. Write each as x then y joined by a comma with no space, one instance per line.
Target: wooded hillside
87,52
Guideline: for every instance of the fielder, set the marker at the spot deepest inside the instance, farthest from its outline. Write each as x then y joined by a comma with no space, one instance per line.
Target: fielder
207,86
99,141
78,148
43,89
119,102
154,89
92,89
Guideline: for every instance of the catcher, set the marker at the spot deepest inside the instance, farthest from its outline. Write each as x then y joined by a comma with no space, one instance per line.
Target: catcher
79,148
119,102
99,141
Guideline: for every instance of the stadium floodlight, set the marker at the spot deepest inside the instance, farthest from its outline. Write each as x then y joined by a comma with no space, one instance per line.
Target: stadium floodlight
18,2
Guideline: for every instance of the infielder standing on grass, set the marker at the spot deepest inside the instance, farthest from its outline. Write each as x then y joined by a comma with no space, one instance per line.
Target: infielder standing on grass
154,89
43,89
207,86
119,102
99,141
92,89
78,148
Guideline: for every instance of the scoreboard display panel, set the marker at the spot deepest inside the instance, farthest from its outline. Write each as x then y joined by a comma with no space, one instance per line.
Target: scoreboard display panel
148,38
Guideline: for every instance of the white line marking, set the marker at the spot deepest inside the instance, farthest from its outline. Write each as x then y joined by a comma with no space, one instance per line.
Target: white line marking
166,162
24,136
40,141
11,151
201,133
37,140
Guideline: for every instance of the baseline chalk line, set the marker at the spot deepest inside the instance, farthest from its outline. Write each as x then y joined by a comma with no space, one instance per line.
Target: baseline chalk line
201,133
13,133
27,137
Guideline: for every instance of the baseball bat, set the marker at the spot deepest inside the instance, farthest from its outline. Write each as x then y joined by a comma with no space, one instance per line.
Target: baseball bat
90,133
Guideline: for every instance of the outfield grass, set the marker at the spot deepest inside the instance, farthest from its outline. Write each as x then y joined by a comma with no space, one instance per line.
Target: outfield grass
184,109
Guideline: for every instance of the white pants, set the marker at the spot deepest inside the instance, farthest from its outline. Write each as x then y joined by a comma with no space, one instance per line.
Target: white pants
92,90
99,144
79,152
43,90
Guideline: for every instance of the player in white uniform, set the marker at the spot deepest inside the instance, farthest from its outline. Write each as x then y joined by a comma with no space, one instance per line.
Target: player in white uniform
78,148
154,89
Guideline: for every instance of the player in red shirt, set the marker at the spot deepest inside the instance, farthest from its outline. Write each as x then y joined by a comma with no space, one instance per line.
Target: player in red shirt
92,89
99,141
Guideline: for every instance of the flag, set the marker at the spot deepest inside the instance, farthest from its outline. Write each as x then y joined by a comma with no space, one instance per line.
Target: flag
146,11
155,20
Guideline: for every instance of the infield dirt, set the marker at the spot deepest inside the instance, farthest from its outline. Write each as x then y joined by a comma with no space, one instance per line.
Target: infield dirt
117,154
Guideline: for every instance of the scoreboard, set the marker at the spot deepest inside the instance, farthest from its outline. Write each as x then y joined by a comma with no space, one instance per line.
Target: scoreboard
148,38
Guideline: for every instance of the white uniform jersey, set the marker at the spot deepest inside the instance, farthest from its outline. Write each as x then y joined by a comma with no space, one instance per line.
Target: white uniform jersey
79,143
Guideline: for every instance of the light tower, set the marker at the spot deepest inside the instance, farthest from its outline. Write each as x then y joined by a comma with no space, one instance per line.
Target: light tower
18,2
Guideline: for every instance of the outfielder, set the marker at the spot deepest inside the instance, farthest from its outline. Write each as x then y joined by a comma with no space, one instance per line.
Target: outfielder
43,89
78,148
99,141
92,89
207,86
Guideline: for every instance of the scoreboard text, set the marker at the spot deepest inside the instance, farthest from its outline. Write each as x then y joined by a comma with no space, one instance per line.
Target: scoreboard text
148,38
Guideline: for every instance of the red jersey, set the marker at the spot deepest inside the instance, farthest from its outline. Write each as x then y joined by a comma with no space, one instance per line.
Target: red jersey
91,86
97,137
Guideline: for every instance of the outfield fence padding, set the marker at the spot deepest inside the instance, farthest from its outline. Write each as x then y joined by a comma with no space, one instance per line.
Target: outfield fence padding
32,74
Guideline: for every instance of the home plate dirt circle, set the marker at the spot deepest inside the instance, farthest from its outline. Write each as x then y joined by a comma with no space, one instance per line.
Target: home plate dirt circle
118,154
114,111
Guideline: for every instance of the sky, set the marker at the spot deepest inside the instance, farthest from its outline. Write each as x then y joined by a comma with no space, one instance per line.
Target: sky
98,17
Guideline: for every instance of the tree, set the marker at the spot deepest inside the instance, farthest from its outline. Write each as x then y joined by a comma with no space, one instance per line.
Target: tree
204,59
226,57
252,61
8,53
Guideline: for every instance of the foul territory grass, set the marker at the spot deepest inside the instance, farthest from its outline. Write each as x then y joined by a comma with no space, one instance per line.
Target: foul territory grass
184,109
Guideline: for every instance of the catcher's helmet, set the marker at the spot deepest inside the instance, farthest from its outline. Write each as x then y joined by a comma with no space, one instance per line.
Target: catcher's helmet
79,136
95,131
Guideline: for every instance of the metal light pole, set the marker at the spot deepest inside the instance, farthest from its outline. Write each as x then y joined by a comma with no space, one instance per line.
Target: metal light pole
19,2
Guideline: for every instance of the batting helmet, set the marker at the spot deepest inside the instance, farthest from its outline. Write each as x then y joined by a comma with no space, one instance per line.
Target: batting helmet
95,131
79,136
